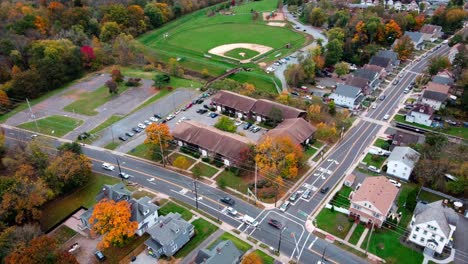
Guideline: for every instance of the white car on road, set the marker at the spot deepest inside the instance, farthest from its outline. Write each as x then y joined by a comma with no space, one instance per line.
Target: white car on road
386,117
108,166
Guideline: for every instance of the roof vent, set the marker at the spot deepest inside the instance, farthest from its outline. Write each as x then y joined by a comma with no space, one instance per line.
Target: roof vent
421,110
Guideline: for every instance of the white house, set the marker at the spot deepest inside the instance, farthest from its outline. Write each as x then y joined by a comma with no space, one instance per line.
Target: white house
346,95
144,212
432,226
435,95
401,162
431,32
421,114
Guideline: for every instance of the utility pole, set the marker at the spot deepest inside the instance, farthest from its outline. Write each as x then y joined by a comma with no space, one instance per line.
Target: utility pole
323,255
368,239
118,164
196,193
162,151
112,132
32,115
255,184
279,242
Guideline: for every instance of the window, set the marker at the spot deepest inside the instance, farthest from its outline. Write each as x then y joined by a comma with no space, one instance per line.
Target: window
433,228
174,248
414,236
394,170
441,239
425,232
433,235
417,229
396,165
405,168
422,239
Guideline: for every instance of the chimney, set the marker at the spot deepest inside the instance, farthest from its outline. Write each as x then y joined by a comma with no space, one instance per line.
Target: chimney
218,250
421,110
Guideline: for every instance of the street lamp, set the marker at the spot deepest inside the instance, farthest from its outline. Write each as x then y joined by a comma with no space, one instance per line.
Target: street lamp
280,236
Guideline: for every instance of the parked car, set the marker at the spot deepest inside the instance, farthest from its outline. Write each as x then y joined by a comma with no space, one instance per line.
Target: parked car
98,254
386,117
170,117
158,116
409,107
213,115
202,111
395,82
206,107
228,200
147,122
231,211
324,190
406,91
154,119
137,129
382,97
397,184
437,118
294,93
123,137
129,134
293,197
124,175
247,125
238,123
275,223
374,169
306,194
141,125
107,166
256,129
285,206
187,107
199,101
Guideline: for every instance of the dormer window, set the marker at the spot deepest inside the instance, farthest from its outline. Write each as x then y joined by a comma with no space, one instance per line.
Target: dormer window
146,212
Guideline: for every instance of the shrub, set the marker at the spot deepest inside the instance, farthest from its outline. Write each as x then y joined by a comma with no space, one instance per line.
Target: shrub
206,159
234,170
149,67
133,82
169,88
218,163
195,155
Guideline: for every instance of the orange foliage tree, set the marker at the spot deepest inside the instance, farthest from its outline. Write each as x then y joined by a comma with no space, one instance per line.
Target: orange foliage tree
4,100
158,136
404,47
43,249
252,258
392,30
326,132
41,24
360,36
279,156
248,89
112,220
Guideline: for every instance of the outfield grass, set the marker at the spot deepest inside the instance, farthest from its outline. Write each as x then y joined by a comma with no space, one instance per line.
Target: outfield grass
334,223
53,125
57,209
266,259
357,234
240,244
203,229
379,160
89,101
171,207
259,6
235,53
206,170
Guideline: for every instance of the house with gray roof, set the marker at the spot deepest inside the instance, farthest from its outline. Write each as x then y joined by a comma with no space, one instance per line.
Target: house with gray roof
383,62
347,96
390,54
417,39
225,252
432,226
168,235
371,76
401,162
431,32
443,79
359,82
143,211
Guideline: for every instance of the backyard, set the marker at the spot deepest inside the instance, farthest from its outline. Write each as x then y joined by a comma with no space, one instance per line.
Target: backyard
53,125
334,223
429,197
203,229
341,198
119,254
374,160
405,189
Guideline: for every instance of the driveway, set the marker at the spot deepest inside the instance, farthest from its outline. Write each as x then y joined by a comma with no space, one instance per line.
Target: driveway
87,248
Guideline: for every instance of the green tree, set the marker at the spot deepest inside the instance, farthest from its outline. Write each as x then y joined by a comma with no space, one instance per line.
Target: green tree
154,14
437,64
332,107
161,79
334,52
295,75
226,124
342,68
317,17
109,31
336,33
113,87
74,147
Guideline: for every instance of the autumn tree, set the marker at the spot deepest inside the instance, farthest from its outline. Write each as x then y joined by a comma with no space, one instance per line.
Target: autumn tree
116,75
158,136
252,258
109,31
336,33
181,162
326,132
294,75
404,48
360,37
43,249
112,86
14,237
68,171
4,100
248,89
279,156
317,17
111,219
342,68
392,31
437,64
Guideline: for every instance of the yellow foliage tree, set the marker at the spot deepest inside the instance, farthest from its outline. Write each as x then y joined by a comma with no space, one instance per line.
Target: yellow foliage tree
252,258
326,132
158,136
249,89
283,98
112,220
181,162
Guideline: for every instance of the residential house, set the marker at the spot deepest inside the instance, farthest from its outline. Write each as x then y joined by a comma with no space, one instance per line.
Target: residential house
412,6
349,180
379,70
359,82
421,114
402,139
211,141
233,103
416,39
397,5
225,252
143,211
390,54
435,94
383,62
431,32
432,226
401,162
297,129
371,76
347,96
170,234
457,48
443,78
373,201
263,110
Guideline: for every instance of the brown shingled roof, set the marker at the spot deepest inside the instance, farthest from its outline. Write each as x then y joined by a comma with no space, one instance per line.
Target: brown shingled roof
429,29
234,100
263,107
374,68
423,108
437,87
357,82
378,191
226,144
295,128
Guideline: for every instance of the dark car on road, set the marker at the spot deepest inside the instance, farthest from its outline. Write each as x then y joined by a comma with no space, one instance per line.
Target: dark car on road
123,137
247,125
275,223
206,106
324,190
124,175
228,200
158,116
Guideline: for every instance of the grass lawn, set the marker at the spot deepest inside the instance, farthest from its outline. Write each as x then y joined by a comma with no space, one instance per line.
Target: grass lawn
53,125
334,223
318,144
368,172
309,152
112,145
89,101
385,244
260,6
240,244
357,234
381,143
63,234
203,229
406,214
171,207
451,130
117,254
429,197
374,160
57,209
236,53
341,197
111,120
142,151
139,194
174,156
206,170
233,181
266,259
